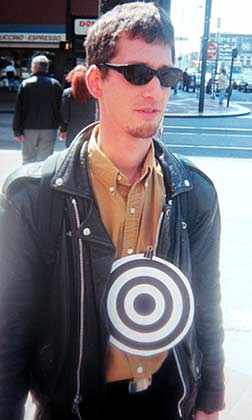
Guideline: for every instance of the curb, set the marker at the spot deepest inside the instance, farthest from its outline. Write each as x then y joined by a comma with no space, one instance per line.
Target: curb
236,111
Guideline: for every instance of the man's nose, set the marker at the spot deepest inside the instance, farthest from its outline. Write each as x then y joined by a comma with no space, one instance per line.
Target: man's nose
153,87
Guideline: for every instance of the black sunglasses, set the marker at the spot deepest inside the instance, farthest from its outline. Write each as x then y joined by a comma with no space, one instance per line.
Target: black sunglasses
140,74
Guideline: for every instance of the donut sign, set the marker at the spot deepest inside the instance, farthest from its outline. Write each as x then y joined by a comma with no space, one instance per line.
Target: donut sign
149,305
81,26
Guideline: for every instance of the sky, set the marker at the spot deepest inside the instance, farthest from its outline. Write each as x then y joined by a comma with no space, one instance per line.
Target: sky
188,20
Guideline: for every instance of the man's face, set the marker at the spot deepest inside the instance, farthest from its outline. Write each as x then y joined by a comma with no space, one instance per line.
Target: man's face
126,108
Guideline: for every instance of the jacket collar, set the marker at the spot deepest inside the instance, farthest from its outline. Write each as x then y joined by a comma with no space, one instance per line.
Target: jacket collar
71,176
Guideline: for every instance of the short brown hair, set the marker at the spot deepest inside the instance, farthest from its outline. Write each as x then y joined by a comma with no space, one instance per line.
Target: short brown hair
136,20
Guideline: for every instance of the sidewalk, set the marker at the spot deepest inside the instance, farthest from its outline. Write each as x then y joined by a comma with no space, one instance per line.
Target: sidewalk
7,100
186,104
229,176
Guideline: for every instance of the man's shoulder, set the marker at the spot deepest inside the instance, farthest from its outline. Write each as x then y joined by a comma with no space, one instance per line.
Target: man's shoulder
181,167
194,170
199,185
21,177
28,81
202,198
54,81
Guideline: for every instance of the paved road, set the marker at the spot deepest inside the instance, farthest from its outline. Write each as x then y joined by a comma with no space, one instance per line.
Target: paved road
218,137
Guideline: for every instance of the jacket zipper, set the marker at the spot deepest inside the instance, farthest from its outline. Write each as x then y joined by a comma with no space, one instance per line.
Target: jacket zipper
158,232
78,397
167,213
183,383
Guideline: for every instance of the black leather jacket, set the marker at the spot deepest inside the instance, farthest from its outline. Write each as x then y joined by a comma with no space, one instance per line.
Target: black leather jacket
52,336
38,104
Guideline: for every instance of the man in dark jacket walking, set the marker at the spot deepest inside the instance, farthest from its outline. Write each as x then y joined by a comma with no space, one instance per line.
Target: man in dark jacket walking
37,112
109,256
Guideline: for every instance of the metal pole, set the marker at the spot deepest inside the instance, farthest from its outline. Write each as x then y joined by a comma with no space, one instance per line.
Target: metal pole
230,81
204,54
218,46
234,55
69,20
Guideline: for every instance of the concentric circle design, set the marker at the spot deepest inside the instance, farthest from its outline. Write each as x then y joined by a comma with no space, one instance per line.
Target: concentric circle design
148,304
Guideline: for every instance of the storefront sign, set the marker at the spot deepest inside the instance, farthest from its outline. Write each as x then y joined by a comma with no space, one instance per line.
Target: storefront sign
81,26
29,37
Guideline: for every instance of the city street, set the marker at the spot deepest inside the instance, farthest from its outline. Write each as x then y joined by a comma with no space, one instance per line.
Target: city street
222,148
216,137
211,136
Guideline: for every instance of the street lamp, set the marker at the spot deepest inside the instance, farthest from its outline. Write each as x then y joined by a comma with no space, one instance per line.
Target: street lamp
218,46
204,54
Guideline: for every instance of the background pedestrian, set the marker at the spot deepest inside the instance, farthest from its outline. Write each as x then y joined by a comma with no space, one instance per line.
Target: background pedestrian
186,80
222,85
37,112
77,105
10,75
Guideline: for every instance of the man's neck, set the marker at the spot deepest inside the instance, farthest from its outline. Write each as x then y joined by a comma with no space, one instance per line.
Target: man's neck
126,152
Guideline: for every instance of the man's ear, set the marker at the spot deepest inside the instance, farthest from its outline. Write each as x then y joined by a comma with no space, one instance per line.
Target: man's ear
93,81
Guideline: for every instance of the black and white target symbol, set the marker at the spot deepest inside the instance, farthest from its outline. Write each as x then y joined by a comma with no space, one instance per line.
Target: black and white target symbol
149,305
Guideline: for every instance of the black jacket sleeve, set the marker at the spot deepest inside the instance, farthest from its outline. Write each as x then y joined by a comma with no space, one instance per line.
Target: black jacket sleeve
21,293
65,111
205,244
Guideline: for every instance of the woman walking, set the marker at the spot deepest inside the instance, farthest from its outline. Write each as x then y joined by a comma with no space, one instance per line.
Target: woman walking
77,106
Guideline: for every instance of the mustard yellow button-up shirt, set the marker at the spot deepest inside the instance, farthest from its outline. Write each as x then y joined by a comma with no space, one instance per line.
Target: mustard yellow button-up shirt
130,214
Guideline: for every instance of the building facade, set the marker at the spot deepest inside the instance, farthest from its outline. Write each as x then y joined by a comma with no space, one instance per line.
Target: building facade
227,42
28,28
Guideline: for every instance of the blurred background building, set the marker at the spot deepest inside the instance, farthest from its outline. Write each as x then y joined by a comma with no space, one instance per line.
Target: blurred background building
28,28
58,29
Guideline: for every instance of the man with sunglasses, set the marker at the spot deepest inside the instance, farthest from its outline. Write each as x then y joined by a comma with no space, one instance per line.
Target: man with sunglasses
114,210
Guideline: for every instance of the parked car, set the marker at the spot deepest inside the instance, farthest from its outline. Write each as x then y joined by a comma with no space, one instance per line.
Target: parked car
245,84
236,80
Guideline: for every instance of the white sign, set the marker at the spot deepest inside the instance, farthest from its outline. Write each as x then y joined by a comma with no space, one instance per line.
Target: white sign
81,26
29,37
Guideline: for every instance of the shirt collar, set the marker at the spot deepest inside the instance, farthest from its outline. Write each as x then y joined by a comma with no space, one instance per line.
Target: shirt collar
105,169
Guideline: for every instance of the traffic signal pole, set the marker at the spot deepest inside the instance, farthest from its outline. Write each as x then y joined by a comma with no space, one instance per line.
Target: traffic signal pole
204,54
234,55
69,21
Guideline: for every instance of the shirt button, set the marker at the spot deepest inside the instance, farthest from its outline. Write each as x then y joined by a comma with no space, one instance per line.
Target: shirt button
119,177
130,251
111,189
139,369
86,232
146,184
59,182
186,183
132,210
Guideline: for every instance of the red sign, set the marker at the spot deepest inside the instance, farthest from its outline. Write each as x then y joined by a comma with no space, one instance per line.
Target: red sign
211,50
